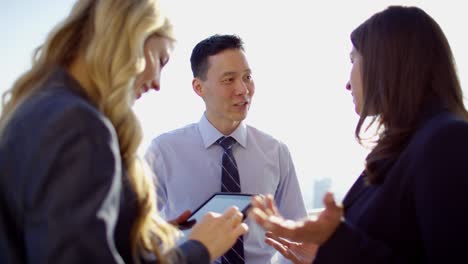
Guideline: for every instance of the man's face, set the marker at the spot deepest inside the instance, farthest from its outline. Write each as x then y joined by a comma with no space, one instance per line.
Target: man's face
228,88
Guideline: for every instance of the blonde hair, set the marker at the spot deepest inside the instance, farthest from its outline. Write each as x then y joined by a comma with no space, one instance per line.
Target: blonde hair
110,34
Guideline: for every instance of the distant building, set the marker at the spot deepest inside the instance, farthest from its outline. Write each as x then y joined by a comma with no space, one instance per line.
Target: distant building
321,186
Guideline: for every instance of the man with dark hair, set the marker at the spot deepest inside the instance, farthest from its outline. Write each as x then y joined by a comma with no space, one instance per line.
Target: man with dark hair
221,152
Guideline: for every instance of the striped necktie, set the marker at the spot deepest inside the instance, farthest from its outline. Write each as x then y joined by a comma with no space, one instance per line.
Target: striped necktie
230,182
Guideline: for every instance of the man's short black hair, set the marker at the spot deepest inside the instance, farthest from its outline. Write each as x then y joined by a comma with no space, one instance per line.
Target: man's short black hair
209,47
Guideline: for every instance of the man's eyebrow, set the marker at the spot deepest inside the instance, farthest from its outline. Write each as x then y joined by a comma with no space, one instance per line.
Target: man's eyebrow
228,73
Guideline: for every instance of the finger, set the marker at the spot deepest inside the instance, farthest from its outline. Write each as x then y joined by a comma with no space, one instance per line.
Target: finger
272,235
260,217
270,204
332,209
236,219
279,226
278,246
230,212
240,230
184,216
257,202
329,201
289,229
282,240
181,218
275,224
283,250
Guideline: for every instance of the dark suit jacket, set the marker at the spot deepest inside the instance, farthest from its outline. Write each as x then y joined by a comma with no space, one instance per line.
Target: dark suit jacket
64,195
420,212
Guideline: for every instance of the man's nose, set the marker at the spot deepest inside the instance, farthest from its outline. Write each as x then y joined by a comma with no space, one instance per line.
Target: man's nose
242,88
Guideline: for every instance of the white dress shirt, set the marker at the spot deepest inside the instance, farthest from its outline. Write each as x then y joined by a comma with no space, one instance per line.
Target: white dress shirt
187,164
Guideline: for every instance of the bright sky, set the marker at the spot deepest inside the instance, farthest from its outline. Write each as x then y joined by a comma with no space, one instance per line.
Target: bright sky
299,53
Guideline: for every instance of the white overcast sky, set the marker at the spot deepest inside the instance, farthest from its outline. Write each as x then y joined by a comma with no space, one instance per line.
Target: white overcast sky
299,53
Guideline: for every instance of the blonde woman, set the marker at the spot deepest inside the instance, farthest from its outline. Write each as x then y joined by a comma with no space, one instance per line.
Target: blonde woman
71,186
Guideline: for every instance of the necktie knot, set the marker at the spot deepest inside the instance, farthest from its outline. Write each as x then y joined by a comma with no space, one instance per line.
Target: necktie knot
226,142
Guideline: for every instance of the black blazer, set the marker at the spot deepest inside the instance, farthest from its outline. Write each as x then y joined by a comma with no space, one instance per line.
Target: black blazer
64,195
420,212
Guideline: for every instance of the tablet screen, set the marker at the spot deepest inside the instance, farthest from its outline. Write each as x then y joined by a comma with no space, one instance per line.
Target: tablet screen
217,203
220,202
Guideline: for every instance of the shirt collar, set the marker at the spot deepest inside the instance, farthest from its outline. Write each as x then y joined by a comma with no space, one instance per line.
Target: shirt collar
210,134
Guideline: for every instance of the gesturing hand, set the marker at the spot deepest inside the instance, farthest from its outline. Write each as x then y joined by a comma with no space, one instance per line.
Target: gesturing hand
311,231
298,253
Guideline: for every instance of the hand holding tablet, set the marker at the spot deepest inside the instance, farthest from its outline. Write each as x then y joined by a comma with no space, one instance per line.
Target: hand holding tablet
217,203
220,229
218,232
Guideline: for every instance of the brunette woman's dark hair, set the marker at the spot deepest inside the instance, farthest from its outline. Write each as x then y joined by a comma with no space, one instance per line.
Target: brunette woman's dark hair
406,63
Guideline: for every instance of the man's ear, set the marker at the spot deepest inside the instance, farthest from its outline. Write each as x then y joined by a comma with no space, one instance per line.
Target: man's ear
197,86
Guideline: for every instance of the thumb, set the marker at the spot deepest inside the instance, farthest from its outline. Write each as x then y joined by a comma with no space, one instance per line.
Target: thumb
331,208
241,229
329,202
184,216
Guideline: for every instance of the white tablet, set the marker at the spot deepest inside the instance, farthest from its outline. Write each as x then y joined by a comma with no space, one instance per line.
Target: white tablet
218,203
